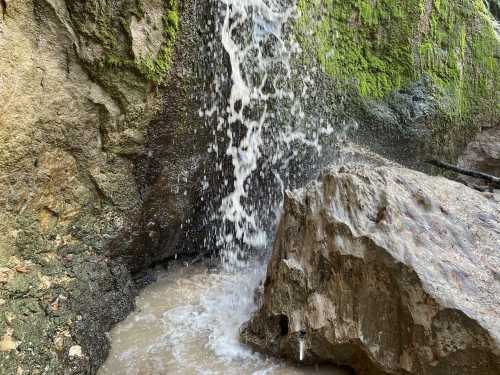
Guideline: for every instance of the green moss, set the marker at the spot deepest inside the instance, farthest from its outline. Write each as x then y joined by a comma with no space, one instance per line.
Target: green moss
379,46
376,47
154,68
353,44
109,27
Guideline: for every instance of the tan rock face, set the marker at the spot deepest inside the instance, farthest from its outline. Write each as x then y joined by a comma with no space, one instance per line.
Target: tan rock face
75,111
147,31
56,125
388,271
96,114
483,153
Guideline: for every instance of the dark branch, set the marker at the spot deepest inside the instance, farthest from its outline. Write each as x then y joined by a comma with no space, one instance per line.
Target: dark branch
483,176
482,188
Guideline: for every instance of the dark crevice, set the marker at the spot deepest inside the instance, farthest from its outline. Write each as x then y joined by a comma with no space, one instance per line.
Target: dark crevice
283,322
494,6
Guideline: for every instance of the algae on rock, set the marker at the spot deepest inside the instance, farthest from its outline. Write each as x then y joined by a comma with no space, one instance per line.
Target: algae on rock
375,48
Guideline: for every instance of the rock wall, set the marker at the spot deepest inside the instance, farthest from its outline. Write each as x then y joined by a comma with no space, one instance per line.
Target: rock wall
419,77
483,152
102,147
385,270
82,86
170,173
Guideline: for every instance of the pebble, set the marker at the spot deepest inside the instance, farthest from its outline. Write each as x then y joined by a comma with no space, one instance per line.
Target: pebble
75,351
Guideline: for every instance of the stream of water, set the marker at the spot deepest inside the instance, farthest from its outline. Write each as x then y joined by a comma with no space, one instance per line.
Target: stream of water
261,128
188,322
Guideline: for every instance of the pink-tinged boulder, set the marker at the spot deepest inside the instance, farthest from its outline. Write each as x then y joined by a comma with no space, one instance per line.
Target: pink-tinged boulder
385,270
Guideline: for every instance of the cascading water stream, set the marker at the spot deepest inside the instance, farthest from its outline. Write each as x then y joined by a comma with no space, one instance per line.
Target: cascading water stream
261,131
244,96
260,119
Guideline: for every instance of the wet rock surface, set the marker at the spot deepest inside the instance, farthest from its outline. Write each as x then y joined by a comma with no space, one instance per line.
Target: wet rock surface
170,170
418,78
81,85
386,270
400,124
102,153
494,7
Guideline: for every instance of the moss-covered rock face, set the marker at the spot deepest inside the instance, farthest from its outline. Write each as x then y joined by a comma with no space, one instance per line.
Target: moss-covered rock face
377,47
133,35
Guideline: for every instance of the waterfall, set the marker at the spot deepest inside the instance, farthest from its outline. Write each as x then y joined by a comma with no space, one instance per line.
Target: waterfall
261,127
269,126
301,349
268,131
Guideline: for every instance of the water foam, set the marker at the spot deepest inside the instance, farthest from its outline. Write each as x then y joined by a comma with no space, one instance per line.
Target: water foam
187,323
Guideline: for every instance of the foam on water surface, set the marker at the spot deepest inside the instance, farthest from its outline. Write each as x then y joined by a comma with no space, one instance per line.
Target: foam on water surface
188,323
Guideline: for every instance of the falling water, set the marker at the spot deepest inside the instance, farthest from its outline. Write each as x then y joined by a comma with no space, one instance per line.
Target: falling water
262,131
301,349
260,122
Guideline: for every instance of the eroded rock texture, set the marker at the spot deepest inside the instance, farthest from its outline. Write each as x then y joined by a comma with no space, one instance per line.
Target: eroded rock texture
386,270
82,83
483,152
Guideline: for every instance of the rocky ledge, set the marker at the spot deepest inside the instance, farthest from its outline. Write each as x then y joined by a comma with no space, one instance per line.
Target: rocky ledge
385,270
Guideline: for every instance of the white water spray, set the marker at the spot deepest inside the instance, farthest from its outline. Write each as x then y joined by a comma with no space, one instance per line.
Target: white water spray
262,118
244,95
261,127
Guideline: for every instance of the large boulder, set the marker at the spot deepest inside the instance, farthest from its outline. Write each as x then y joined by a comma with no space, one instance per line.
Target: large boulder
385,270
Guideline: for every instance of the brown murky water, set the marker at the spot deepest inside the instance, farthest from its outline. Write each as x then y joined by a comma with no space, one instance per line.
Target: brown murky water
187,323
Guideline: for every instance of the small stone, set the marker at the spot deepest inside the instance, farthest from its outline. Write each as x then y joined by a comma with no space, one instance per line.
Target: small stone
7,343
55,305
4,274
59,342
75,351
21,268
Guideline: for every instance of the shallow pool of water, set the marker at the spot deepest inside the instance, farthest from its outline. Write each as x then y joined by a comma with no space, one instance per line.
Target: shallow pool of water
188,323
